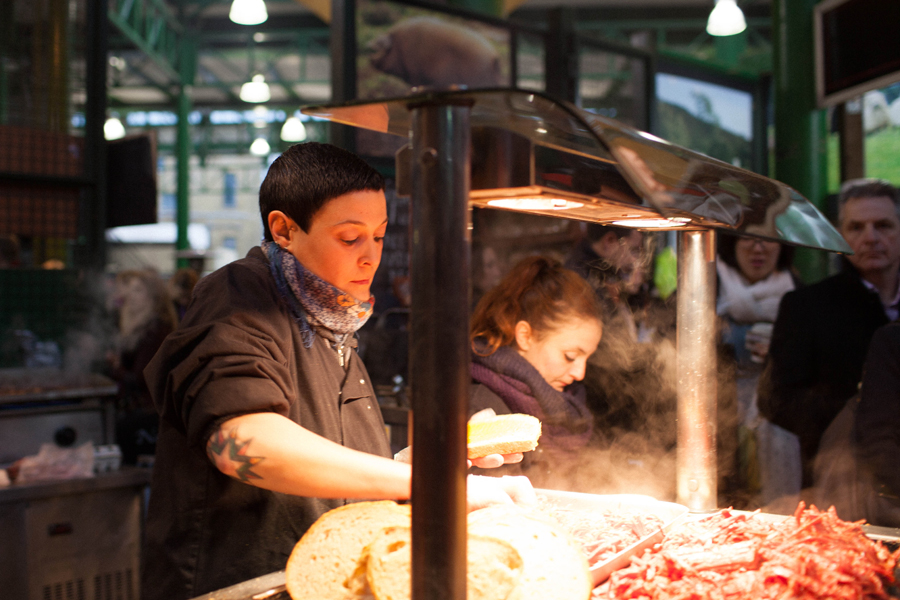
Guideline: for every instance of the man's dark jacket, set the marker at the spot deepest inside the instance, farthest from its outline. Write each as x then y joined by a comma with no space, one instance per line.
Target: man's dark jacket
815,362
877,426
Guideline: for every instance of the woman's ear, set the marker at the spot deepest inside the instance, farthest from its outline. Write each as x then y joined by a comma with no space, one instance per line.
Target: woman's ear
524,335
280,228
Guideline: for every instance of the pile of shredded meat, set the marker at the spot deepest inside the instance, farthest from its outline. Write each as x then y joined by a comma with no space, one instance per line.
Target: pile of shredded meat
728,555
603,534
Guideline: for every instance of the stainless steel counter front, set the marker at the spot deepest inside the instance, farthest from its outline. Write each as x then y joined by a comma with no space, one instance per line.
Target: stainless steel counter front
77,538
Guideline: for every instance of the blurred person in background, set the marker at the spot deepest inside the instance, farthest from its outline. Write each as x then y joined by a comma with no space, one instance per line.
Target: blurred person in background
532,334
611,259
9,252
181,288
145,317
876,430
753,276
629,377
822,332
487,270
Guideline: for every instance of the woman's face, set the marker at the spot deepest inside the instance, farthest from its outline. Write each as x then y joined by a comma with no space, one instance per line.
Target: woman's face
756,258
560,354
344,242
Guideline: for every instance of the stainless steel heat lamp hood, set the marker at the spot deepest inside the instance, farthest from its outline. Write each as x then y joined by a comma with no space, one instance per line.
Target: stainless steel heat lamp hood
521,150
531,153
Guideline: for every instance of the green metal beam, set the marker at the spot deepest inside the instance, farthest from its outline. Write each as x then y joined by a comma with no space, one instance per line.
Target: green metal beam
800,128
187,70
154,29
662,24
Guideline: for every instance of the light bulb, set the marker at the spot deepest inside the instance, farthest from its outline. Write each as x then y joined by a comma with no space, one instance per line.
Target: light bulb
248,12
113,129
255,90
259,147
293,130
726,18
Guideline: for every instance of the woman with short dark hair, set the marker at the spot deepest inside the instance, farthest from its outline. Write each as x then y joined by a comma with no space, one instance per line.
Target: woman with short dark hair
268,416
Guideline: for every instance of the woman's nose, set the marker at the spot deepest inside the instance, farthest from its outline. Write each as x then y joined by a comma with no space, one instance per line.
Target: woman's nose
578,369
370,253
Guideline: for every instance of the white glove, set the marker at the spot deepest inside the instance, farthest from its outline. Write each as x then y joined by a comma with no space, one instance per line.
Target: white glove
482,491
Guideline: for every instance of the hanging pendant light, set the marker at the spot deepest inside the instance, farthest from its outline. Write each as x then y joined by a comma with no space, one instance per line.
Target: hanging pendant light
255,90
293,130
248,12
260,147
113,129
726,18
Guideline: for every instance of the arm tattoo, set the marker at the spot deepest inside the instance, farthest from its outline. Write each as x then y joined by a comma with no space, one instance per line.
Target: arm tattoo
230,455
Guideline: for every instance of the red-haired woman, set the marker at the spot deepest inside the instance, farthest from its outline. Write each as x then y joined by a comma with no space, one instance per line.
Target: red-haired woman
531,337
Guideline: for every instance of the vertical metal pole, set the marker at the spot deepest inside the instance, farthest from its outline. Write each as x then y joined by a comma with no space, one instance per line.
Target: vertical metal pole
186,71
342,46
696,366
182,181
7,40
561,59
91,252
439,348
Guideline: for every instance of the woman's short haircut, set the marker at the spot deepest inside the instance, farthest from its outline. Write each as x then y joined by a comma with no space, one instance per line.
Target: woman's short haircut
306,176
540,292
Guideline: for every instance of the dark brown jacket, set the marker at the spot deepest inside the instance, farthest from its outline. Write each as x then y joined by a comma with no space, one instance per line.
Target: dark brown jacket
239,351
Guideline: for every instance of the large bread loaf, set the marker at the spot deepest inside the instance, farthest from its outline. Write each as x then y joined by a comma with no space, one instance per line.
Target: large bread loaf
323,561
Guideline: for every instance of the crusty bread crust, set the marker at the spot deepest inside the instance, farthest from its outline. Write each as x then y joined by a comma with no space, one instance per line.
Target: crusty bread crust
503,434
323,561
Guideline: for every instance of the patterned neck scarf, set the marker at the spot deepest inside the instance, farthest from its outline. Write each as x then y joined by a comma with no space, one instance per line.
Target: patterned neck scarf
314,301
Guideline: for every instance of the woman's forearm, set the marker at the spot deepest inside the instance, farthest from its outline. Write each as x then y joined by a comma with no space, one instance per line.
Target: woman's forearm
269,451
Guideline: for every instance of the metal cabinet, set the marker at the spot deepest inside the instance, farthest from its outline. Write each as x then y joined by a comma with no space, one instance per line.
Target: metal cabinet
73,540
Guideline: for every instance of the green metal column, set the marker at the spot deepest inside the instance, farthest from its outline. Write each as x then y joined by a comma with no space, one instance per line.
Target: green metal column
800,129
186,70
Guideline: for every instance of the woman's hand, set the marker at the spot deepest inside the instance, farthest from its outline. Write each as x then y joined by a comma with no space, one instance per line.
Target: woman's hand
492,461
484,491
757,341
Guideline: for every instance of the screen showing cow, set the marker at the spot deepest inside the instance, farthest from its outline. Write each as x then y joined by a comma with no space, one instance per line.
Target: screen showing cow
400,46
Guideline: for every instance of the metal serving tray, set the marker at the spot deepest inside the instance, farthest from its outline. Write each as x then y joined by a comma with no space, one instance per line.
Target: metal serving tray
668,512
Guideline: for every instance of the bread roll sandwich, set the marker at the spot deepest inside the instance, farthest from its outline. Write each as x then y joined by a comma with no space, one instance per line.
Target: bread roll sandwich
502,434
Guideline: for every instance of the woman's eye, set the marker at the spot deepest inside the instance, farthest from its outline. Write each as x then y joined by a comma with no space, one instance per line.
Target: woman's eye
350,242
379,239
570,358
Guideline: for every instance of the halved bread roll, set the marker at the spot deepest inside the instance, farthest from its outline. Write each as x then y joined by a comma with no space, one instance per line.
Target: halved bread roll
503,434
554,566
493,566
323,561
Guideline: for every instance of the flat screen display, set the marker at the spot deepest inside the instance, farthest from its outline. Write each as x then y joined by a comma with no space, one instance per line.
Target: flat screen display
857,47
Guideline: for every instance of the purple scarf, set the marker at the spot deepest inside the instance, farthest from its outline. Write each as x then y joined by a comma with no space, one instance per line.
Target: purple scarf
567,423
